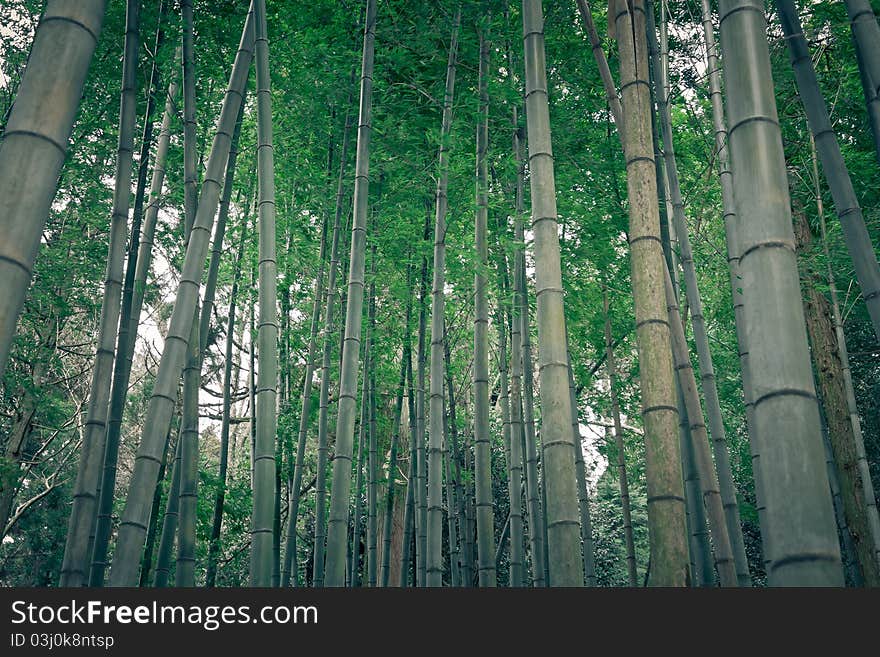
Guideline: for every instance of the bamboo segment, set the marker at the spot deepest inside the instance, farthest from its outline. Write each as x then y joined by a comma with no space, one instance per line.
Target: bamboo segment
35,144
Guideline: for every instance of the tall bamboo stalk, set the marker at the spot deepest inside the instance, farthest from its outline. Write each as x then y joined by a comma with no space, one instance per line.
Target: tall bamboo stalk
289,565
135,515
521,303
421,433
846,204
409,520
220,493
434,535
872,100
147,560
711,494
267,421
464,554
121,365
190,147
733,527
702,565
866,34
392,475
83,515
337,527
556,440
452,516
189,428
185,574
324,397
409,505
354,555
602,63
35,144
513,441
800,536
373,490
169,523
666,505
482,448
728,210
589,559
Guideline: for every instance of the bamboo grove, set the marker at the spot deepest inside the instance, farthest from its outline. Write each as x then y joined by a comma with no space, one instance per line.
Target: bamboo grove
391,293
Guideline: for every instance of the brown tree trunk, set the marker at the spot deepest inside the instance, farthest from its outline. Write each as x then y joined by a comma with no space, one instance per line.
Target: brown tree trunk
829,371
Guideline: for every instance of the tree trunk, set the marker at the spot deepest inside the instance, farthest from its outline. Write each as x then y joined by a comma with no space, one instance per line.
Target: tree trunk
832,391
848,553
16,448
864,473
800,537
